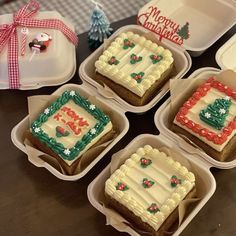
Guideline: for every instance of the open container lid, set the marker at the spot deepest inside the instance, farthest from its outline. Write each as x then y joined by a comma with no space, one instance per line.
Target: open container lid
190,21
226,55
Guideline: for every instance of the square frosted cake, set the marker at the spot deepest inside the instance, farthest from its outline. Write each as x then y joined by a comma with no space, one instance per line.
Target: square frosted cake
134,67
69,127
208,118
148,188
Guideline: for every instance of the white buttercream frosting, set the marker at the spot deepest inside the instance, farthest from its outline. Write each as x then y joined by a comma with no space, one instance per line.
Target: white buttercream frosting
137,198
193,115
121,73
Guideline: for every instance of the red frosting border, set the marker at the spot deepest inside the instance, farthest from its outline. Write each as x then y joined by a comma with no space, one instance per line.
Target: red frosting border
197,128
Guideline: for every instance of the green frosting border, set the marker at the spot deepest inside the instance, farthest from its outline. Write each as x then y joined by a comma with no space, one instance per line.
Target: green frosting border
57,147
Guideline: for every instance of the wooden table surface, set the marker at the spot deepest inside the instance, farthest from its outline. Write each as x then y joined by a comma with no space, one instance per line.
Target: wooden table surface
34,202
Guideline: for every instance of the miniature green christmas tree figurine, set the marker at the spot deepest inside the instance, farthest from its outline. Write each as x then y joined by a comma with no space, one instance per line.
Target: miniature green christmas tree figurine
99,28
184,31
216,113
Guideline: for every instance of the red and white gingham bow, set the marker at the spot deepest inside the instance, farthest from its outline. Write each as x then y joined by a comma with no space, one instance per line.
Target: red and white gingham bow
8,35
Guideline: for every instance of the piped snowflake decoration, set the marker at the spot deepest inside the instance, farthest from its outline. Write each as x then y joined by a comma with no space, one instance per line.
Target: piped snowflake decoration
37,130
222,111
46,111
93,131
72,93
207,115
92,107
67,152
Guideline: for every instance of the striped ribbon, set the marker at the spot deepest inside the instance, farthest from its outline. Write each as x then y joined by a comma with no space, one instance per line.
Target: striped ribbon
8,36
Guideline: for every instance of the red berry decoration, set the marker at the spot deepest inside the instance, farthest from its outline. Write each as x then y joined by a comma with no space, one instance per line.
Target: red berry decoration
122,186
153,208
156,58
128,44
145,162
113,61
134,59
174,181
147,183
138,77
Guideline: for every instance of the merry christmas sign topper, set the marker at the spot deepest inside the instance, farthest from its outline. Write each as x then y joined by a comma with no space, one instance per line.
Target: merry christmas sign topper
152,19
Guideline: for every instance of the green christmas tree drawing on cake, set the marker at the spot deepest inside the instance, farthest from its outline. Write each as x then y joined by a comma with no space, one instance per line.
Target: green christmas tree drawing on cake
216,113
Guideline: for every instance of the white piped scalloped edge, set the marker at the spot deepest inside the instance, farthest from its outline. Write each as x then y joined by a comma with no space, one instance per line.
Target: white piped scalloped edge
111,72
166,209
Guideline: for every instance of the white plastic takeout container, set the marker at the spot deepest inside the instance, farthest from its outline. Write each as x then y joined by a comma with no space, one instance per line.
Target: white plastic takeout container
17,134
208,20
55,66
225,59
182,62
198,159
162,122
205,182
226,55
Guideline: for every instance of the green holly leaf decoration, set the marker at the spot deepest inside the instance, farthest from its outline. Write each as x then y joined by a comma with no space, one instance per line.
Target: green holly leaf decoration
147,183
156,58
113,61
61,132
144,162
138,77
216,113
153,208
174,181
128,44
134,58
122,186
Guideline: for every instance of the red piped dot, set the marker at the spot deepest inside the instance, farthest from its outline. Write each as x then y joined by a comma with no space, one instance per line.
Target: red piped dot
184,110
220,138
221,87
203,132
227,130
233,95
197,95
210,136
188,105
210,80
232,124
196,128
190,124
192,101
229,92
